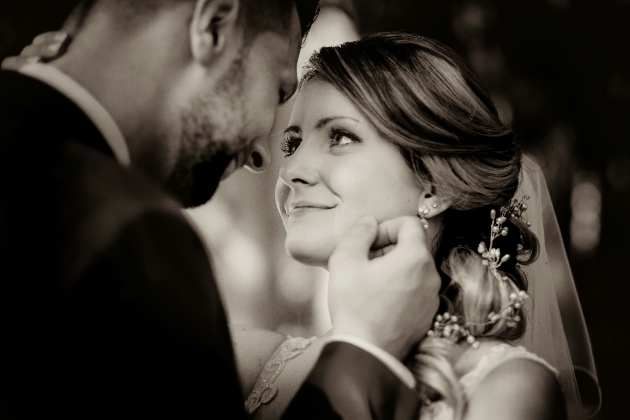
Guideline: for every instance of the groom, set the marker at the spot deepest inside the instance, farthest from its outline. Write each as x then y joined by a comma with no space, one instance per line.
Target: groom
108,306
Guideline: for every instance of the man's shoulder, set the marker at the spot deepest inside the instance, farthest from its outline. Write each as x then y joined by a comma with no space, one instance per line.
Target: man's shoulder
55,162
100,200
34,117
56,146
103,185
23,93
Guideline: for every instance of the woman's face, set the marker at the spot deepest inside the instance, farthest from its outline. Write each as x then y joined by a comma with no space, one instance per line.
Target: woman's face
337,169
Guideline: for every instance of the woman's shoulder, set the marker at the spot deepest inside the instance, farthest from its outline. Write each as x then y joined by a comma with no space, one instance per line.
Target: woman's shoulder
492,353
497,374
514,383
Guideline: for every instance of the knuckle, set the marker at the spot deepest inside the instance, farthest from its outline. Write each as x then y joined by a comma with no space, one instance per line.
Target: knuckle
44,37
28,50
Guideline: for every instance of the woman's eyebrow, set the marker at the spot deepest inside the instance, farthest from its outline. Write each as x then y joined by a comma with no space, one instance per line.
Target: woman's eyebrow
321,123
293,129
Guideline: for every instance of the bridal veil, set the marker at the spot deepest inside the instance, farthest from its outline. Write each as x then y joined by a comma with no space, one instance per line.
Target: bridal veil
556,330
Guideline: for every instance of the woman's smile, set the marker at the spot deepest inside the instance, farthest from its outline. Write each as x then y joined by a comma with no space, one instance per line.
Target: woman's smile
335,159
297,208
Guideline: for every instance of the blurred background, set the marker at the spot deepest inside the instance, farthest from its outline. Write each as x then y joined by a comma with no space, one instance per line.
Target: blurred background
558,70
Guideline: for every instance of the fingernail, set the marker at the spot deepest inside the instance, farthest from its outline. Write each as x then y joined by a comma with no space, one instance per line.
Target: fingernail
55,46
60,37
368,221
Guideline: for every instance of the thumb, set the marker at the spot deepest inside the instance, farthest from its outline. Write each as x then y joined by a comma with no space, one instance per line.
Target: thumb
16,63
357,241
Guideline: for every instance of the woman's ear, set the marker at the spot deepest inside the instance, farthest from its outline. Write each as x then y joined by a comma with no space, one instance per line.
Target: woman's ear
214,29
430,205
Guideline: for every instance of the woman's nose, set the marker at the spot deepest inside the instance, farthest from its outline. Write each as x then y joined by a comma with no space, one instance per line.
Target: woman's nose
299,170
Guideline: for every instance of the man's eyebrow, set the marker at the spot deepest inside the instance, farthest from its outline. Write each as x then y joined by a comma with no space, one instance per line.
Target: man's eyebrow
293,129
321,123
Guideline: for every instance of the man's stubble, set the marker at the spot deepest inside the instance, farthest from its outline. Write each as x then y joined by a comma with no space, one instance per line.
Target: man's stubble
210,138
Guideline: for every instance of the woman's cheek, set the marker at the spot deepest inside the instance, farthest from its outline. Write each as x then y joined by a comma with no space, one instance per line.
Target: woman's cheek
359,194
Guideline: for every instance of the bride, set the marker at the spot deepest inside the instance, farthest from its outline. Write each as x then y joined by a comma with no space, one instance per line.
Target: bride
397,125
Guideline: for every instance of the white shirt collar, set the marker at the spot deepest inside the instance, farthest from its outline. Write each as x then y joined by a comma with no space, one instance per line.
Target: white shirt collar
88,104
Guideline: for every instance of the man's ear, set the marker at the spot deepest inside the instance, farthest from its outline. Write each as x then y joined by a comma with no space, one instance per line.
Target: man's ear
213,28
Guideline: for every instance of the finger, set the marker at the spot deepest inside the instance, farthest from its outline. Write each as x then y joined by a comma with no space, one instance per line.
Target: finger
406,237
357,241
44,51
412,234
15,63
388,231
51,37
379,252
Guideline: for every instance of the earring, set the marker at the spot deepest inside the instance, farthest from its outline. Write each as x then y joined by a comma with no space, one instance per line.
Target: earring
423,211
434,205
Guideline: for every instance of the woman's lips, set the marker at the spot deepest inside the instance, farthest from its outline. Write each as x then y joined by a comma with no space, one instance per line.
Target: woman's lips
300,207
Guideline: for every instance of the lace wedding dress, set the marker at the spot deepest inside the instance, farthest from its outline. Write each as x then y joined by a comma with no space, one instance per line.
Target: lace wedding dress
494,357
265,389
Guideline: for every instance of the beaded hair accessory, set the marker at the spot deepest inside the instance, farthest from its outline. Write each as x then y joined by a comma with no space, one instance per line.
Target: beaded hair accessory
455,329
492,256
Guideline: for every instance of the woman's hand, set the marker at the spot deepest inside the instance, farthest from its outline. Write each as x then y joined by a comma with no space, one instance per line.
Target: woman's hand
44,48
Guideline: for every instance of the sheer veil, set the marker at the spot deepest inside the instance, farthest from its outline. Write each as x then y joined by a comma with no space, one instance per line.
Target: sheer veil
556,329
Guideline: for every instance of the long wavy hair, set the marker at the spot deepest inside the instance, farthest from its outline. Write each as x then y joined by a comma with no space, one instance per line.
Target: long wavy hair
427,100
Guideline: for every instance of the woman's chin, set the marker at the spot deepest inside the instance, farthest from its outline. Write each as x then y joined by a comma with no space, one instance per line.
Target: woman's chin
309,255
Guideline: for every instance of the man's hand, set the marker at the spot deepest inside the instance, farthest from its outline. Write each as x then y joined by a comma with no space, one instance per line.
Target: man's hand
45,47
389,300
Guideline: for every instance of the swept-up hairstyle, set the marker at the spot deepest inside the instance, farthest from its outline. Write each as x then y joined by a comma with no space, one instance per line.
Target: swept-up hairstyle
427,101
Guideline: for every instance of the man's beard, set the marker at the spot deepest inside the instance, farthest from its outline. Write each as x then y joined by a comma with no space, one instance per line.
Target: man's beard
194,180
209,140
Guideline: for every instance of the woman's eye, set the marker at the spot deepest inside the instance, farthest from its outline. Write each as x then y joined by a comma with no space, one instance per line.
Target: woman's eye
341,138
289,145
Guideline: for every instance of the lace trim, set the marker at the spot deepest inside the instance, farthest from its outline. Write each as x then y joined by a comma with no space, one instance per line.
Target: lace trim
265,390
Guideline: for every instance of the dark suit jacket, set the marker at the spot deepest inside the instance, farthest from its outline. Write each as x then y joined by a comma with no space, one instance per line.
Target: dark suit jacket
108,305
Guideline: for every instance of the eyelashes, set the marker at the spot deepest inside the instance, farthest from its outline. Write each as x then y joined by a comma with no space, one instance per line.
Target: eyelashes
289,145
336,139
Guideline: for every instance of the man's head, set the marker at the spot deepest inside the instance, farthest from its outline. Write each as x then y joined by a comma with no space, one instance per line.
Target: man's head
208,76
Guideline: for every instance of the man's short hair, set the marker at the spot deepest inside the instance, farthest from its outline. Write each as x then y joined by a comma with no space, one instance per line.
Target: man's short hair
275,15
257,15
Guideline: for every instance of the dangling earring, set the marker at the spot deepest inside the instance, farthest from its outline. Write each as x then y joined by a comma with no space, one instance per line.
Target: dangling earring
423,211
